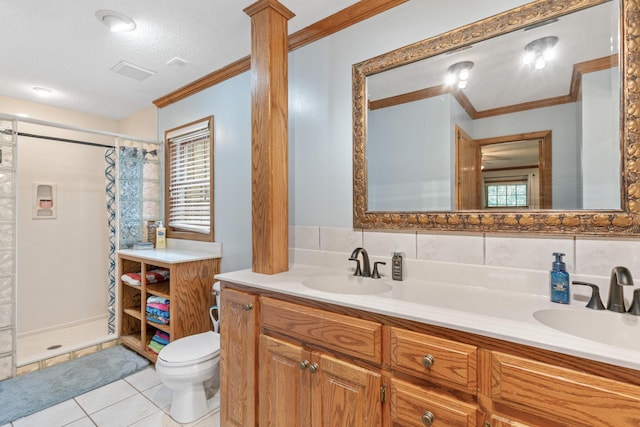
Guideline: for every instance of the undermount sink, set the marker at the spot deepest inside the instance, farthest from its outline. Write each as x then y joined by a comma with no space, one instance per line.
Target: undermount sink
607,327
347,284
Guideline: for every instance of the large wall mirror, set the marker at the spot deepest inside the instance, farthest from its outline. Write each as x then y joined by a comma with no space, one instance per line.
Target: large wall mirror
525,121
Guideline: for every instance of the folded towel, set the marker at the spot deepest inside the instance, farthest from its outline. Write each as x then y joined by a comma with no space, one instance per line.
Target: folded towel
131,278
157,275
153,276
156,312
159,300
158,306
160,340
155,346
155,319
162,334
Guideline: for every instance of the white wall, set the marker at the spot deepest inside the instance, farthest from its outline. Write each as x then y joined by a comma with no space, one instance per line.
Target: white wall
143,124
600,152
62,262
230,104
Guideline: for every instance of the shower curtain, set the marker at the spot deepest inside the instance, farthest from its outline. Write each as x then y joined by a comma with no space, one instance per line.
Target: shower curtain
134,196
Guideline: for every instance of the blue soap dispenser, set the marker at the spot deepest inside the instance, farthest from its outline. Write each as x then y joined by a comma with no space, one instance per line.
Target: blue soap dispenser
559,280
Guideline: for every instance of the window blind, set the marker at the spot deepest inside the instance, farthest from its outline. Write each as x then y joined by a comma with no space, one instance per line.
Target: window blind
189,197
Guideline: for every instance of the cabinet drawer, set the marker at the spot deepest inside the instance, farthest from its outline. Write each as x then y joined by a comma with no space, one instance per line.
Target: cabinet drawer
410,403
453,363
337,332
562,394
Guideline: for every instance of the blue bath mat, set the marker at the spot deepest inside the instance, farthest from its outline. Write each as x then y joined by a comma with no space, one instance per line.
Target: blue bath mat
35,391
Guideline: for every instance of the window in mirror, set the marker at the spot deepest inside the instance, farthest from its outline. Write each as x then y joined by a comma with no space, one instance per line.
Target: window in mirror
510,194
189,181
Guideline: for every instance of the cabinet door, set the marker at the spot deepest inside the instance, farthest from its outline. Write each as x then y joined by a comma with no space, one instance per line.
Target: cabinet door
344,394
238,359
285,390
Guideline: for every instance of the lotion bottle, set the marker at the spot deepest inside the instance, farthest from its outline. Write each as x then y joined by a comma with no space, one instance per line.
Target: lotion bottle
161,236
559,280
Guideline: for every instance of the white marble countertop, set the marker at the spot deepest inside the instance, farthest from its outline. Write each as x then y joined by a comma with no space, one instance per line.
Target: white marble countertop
493,312
169,256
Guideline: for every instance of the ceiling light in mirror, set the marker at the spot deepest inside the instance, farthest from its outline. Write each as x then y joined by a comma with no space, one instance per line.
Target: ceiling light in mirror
539,51
458,74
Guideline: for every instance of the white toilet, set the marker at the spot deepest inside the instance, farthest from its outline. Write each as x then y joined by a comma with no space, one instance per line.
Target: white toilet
186,366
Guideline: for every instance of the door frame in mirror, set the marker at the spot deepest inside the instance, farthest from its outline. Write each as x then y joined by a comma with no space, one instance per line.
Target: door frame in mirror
625,221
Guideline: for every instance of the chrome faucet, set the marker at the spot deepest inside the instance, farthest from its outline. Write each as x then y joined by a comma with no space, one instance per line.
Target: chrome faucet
620,276
366,267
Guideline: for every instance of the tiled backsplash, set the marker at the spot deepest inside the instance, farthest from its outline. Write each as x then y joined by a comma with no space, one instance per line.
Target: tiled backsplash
584,255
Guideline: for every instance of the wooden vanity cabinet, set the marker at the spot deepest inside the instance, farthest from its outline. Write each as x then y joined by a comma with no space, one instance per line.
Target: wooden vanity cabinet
188,290
288,361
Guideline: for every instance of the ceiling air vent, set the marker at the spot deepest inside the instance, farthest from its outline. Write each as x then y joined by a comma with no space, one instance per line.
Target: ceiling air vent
132,71
178,62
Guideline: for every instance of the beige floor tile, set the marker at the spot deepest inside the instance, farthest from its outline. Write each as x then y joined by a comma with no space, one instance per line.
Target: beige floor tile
55,416
82,422
159,395
105,396
125,412
157,419
144,379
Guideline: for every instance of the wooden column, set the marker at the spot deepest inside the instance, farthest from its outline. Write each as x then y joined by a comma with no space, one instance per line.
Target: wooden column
269,135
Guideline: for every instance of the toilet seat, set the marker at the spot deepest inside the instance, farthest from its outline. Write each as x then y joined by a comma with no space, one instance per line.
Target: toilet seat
191,349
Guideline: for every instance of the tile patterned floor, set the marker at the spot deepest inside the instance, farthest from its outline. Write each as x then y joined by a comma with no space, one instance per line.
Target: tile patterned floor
139,400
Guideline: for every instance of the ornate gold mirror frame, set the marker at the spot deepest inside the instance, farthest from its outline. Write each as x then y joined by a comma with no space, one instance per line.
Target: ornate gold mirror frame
618,222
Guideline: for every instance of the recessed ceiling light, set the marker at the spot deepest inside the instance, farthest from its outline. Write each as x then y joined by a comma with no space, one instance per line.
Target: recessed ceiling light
42,91
115,21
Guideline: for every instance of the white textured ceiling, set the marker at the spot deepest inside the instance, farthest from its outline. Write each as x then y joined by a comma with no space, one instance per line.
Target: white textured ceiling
62,46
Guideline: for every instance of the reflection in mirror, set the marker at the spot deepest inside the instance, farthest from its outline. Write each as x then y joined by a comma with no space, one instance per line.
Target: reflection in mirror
430,131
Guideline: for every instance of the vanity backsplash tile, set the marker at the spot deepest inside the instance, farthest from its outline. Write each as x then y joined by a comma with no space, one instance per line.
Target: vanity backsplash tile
599,256
304,237
339,239
593,257
462,248
533,253
385,244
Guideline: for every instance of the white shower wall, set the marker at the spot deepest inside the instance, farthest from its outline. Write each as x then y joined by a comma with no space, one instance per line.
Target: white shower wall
62,262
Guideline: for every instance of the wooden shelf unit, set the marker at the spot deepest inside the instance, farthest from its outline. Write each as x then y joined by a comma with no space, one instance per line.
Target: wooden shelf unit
188,290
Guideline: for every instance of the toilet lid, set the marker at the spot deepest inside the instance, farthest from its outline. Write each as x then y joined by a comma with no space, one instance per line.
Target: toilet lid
192,348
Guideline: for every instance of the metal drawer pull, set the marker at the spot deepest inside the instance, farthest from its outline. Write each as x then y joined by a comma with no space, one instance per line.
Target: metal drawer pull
428,361
303,365
247,307
428,418
313,368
